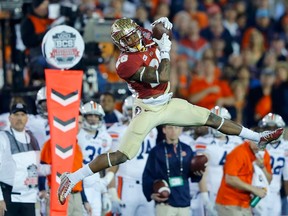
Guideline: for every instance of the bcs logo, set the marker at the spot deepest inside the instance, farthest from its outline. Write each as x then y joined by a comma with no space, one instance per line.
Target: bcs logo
63,47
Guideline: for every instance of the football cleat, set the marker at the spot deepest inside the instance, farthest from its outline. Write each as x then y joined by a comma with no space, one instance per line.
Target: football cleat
269,136
65,188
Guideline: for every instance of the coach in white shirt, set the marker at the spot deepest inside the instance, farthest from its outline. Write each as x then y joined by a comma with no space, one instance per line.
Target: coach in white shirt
19,166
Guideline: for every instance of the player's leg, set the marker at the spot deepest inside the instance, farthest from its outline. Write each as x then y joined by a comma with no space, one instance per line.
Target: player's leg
182,113
130,143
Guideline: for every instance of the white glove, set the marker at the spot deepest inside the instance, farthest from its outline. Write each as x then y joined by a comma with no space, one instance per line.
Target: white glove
103,182
117,203
106,203
209,206
167,24
114,196
107,178
164,45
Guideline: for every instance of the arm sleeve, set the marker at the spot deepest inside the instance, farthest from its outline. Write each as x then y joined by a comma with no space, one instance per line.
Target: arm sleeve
148,176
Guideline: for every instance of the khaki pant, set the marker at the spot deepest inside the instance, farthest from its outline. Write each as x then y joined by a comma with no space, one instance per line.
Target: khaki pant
167,210
233,210
176,112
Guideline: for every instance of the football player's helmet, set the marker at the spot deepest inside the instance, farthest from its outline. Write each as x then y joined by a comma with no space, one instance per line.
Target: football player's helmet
41,107
127,35
271,120
128,106
222,112
92,108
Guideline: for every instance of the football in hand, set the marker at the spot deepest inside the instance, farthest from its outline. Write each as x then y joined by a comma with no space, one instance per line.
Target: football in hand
198,163
158,30
161,186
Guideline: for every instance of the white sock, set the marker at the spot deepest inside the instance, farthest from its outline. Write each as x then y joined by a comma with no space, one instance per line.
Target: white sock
80,174
249,134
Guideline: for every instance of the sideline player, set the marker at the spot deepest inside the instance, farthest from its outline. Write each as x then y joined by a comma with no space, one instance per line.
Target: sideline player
145,65
278,155
94,140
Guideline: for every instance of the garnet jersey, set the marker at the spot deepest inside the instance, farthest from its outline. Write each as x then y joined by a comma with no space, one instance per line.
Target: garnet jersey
278,158
129,63
134,168
217,150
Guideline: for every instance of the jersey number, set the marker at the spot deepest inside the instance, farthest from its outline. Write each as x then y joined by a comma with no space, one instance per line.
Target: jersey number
92,151
223,159
277,165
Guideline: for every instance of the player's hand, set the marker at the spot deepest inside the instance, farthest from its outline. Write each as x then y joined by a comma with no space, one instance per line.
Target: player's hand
157,198
106,203
2,207
114,196
209,206
88,208
261,192
164,44
167,24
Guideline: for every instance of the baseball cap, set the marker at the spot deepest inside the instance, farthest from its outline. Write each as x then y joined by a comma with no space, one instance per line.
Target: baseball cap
19,107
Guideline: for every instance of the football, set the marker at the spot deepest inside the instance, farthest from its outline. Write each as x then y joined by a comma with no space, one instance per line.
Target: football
158,30
198,163
161,186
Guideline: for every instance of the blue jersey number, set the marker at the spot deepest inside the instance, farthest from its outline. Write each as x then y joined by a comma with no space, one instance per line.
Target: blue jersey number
223,159
145,149
277,164
92,151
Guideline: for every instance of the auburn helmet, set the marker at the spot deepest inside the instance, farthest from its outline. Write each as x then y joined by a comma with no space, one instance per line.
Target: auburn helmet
92,108
41,97
271,120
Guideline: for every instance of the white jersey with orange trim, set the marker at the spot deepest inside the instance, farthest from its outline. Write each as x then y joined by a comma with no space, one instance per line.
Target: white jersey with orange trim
129,174
216,150
39,126
279,164
93,145
133,168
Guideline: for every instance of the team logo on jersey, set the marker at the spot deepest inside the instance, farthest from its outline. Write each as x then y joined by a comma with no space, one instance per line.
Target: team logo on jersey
138,110
145,57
